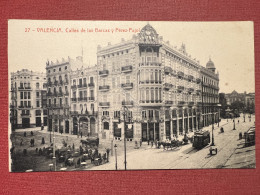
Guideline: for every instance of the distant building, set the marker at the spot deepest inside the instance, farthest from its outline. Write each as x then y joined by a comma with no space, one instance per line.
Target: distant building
235,96
28,99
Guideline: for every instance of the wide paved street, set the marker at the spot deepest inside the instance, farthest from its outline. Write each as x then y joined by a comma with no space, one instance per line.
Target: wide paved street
231,153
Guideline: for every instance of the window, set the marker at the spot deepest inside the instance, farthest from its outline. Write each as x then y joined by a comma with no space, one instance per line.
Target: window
37,103
21,95
92,107
91,80
54,70
80,82
105,113
54,101
59,69
45,112
49,102
65,67
37,94
49,71
25,95
21,103
106,125
38,112
116,114
60,101
29,103
37,85
66,101
85,81
74,81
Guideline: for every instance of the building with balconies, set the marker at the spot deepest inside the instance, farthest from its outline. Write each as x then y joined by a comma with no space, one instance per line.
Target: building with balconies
210,94
28,99
159,86
84,106
59,92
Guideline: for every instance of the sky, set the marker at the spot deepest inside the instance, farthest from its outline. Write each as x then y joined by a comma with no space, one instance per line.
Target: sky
230,45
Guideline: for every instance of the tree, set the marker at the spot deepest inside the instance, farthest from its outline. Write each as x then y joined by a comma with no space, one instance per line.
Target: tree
237,105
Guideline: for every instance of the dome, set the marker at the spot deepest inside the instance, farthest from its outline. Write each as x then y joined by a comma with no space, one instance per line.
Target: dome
210,64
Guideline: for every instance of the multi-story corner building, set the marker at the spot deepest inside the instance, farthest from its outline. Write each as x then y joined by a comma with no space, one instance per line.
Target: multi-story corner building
250,101
159,86
210,94
84,109
28,100
58,93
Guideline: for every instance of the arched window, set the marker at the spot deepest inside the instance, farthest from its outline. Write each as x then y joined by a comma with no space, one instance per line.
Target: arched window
160,94
60,78
156,94
152,75
156,76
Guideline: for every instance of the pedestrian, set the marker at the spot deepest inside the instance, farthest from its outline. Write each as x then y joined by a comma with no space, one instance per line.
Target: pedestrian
151,144
140,142
148,142
238,121
31,142
81,134
31,133
21,143
24,134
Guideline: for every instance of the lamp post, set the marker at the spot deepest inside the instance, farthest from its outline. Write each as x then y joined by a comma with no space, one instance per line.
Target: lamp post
234,124
125,134
54,157
212,142
244,117
115,146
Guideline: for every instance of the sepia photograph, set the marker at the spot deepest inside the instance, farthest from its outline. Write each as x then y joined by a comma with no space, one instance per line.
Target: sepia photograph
130,95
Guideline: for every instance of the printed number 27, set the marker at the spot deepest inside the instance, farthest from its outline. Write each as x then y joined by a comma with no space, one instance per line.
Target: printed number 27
27,29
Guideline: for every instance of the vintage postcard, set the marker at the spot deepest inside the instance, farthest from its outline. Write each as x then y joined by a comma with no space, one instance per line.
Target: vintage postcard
130,95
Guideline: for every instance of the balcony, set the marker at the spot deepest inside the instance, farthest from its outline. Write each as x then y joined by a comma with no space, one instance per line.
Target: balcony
83,99
25,106
66,82
190,90
25,114
150,64
150,82
190,78
198,80
168,102
82,86
91,84
181,103
73,99
167,70
60,93
20,88
127,85
150,102
127,103
180,74
91,98
180,88
74,112
167,86
56,83
104,104
126,69
191,104
73,86
104,88
49,83
103,73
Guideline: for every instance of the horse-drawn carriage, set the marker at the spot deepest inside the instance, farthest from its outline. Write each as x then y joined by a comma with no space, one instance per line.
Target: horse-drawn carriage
91,141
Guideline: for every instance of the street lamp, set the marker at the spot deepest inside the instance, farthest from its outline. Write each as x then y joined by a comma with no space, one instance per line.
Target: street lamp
125,133
115,146
54,157
212,142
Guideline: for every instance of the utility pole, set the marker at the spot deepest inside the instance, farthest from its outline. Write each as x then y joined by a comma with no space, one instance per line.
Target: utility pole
125,134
